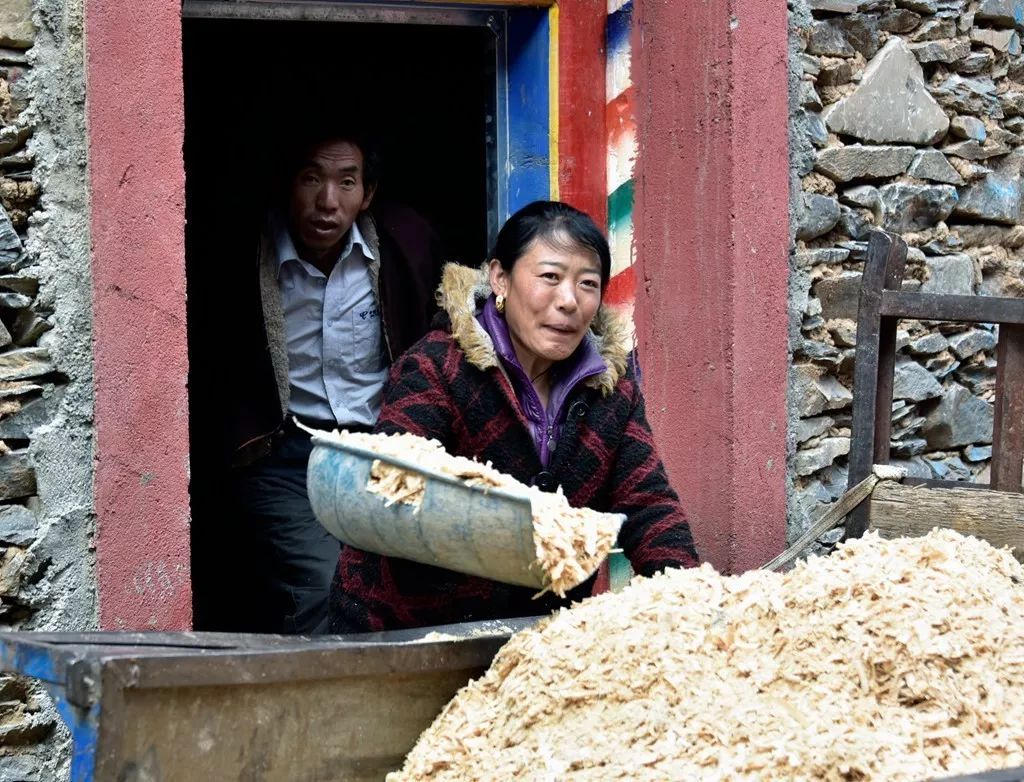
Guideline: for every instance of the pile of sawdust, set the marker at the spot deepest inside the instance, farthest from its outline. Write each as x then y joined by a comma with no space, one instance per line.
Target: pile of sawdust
570,542
889,660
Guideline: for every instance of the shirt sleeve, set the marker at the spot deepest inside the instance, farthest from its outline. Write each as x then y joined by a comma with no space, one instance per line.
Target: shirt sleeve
656,533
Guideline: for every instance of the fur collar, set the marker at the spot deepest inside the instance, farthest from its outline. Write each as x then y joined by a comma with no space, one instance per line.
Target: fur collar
464,289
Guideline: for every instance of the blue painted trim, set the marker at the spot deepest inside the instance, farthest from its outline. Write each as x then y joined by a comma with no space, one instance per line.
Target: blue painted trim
619,24
528,162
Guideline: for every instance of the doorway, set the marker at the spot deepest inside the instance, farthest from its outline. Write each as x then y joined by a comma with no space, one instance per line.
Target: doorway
424,92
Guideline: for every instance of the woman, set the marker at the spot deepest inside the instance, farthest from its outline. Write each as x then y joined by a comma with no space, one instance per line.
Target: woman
529,372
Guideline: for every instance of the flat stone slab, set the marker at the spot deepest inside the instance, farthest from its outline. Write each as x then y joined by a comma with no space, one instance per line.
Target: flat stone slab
1007,13
949,275
859,162
995,198
915,207
932,165
891,105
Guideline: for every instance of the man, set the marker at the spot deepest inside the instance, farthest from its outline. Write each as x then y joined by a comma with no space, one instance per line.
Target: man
342,291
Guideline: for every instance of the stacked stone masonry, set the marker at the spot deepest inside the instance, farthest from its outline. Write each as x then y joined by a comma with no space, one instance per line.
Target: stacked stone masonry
906,115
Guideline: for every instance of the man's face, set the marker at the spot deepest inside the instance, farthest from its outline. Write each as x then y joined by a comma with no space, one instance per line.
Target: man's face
326,196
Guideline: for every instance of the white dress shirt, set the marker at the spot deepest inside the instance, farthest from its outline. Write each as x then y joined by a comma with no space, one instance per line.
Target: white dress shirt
336,361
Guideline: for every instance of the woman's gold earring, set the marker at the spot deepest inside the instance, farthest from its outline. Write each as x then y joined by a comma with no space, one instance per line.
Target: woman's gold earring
499,303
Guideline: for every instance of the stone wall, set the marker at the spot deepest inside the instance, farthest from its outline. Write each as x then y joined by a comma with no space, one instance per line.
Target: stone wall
46,440
905,115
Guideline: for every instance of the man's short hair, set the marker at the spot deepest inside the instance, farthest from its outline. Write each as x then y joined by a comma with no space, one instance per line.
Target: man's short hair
308,138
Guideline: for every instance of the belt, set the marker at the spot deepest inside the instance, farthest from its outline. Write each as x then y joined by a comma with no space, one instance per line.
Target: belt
321,425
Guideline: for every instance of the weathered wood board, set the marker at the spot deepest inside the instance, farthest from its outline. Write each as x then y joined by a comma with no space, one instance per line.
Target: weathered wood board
896,510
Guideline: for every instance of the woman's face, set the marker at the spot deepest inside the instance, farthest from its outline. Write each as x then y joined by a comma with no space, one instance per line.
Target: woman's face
551,296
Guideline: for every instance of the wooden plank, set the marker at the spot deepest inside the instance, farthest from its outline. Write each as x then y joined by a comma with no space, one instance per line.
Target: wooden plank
964,309
1008,425
998,517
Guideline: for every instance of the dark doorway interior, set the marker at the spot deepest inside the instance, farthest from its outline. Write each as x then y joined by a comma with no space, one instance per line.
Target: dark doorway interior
422,91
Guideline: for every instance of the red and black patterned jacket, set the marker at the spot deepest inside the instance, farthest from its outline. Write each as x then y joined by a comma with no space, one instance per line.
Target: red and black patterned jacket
451,386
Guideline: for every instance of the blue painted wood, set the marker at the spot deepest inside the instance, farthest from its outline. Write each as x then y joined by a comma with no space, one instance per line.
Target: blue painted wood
529,134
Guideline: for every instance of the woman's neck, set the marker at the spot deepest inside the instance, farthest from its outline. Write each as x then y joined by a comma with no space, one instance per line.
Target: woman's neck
537,369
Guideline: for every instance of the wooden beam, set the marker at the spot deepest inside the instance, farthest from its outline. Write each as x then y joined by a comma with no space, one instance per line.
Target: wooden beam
964,309
998,517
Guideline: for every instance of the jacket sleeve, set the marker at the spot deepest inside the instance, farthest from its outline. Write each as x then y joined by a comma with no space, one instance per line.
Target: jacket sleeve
656,533
416,398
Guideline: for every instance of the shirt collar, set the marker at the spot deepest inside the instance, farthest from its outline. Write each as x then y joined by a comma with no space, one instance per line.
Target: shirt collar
286,247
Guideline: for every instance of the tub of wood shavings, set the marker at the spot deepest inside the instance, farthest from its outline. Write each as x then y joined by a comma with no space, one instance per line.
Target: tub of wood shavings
405,496
890,660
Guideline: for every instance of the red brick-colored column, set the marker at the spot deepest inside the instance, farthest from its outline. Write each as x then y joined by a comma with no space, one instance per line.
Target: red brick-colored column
712,238
136,128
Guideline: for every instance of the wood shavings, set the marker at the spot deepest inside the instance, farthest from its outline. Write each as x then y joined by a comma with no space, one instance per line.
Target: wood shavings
889,660
570,542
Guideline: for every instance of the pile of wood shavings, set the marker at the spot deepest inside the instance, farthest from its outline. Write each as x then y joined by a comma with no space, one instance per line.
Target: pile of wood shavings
889,660
570,542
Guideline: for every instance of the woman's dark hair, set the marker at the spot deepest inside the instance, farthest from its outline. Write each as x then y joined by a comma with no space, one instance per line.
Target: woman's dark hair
556,223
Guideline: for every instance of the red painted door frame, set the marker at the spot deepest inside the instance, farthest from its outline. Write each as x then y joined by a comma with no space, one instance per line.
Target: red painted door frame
712,238
135,114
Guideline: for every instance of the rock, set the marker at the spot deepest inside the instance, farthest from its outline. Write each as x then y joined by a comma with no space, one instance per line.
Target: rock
16,29
1005,13
995,198
978,379
949,275
14,301
978,453
930,343
834,73
920,6
996,39
818,216
18,525
809,97
932,165
975,62
835,6
959,419
844,332
21,425
816,132
11,250
907,208
951,468
827,39
916,467
839,296
811,460
859,162
1013,103
934,30
968,343
806,428
891,105
912,446
968,127
941,364
861,32
941,51
972,150
969,95
901,20
864,196
812,392
27,328
25,363
912,381
855,223
17,478
805,259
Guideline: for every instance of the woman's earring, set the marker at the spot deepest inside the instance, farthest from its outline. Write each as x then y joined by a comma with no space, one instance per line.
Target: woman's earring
499,303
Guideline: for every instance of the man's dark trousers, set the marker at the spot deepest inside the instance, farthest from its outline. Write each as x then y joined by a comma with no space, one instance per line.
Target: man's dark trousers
293,557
